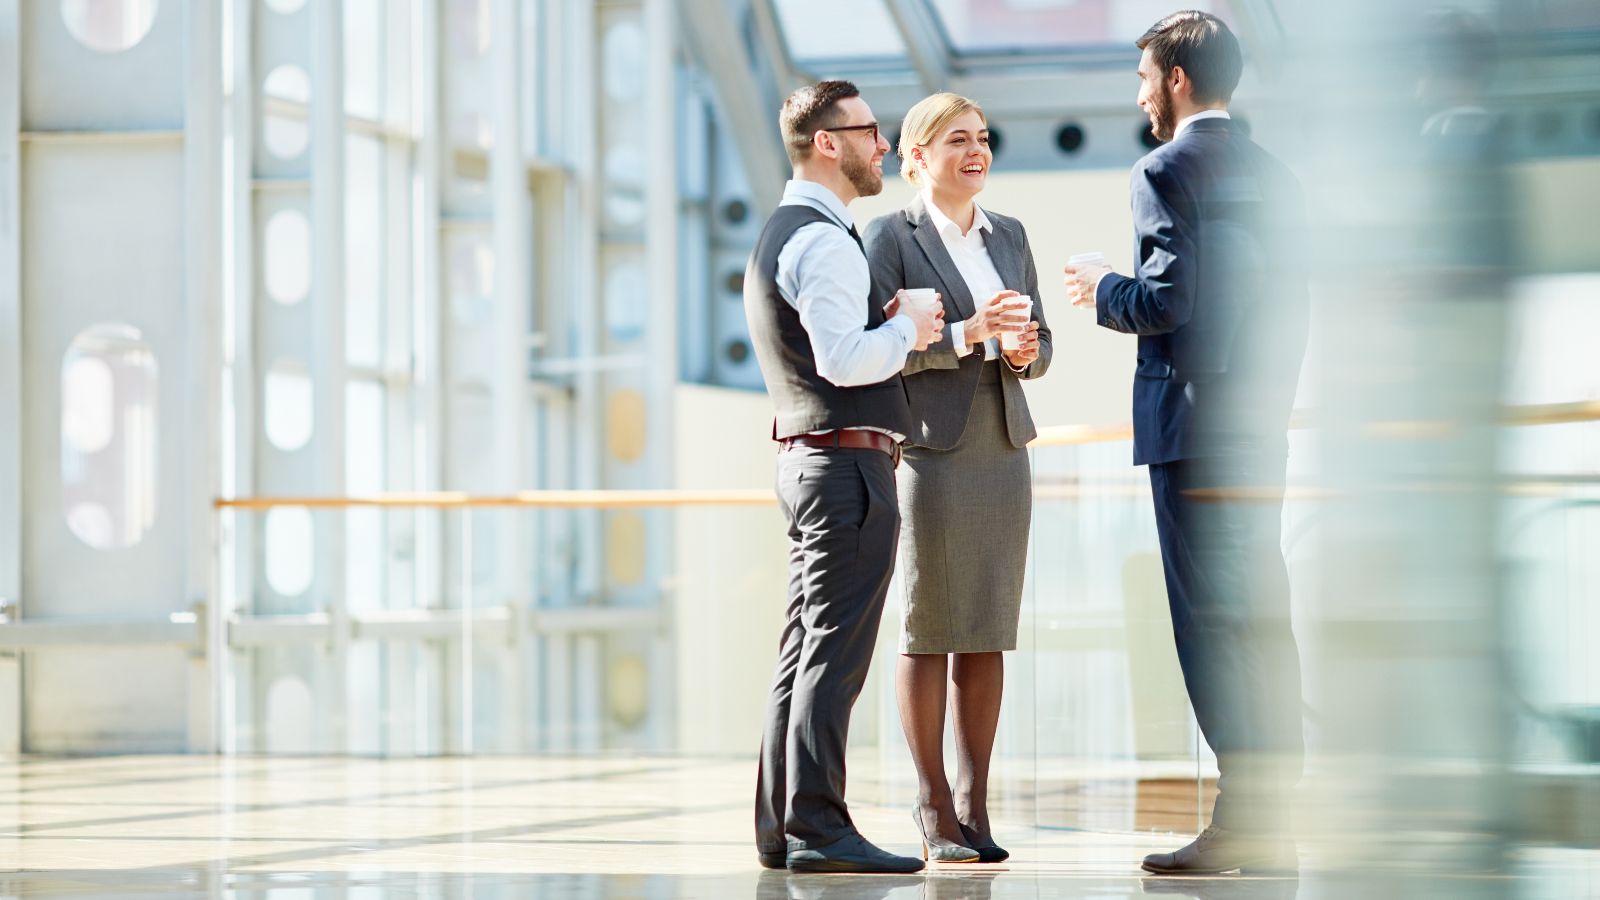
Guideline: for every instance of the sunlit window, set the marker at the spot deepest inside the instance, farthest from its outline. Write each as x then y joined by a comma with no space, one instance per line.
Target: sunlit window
364,250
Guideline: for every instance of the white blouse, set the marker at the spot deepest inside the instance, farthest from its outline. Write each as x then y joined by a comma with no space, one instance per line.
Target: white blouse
970,252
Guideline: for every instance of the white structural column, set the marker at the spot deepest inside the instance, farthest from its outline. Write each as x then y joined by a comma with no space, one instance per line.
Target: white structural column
428,318
289,92
203,274
107,329
10,373
513,298
327,361
664,309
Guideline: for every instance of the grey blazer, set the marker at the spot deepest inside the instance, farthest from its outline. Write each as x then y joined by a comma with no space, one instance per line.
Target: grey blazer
905,251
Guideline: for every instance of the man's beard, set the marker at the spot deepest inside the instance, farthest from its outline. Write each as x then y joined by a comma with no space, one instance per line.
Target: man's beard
1162,123
867,180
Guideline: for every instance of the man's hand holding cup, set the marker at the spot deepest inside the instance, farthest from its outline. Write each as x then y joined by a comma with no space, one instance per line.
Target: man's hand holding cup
1082,276
925,309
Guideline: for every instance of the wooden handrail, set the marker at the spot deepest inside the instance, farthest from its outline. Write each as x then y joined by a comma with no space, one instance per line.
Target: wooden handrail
1049,436
526,499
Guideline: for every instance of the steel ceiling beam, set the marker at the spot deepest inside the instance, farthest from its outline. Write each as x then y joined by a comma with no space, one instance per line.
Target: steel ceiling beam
925,42
714,40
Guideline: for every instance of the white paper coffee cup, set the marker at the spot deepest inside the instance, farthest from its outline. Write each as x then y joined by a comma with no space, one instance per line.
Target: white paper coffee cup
1087,259
924,298
1012,340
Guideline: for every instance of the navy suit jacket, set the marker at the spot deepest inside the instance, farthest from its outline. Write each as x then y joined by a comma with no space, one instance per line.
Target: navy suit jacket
1219,300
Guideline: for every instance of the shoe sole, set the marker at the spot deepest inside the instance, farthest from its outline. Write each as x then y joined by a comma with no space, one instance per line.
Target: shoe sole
823,865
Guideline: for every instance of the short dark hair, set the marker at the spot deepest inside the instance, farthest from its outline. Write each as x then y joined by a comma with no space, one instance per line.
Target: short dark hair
811,109
1203,46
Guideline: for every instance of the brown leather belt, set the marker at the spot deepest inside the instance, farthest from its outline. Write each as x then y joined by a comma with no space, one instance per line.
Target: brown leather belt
848,438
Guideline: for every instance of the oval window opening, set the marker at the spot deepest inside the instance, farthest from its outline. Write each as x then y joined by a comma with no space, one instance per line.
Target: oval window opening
109,26
288,402
286,128
286,263
109,388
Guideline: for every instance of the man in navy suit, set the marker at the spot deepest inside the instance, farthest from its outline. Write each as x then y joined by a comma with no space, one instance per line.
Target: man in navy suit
1219,302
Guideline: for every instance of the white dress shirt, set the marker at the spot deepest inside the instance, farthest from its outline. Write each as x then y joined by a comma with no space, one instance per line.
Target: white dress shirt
1186,121
823,274
970,253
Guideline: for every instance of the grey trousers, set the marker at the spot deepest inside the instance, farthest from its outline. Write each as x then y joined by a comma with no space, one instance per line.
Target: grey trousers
844,523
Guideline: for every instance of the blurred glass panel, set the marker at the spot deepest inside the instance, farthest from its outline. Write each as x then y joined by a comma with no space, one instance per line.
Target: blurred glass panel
1113,742
468,25
471,279
109,387
997,25
1557,15
816,30
365,468
364,257
363,58
290,542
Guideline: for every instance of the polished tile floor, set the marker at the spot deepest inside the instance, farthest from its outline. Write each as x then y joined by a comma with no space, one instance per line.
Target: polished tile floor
293,828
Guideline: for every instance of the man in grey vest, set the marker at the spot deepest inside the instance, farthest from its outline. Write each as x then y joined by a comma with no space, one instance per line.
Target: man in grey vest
832,364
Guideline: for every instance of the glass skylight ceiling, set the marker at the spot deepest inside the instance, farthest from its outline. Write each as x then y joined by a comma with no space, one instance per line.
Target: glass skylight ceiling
829,30
833,30
986,26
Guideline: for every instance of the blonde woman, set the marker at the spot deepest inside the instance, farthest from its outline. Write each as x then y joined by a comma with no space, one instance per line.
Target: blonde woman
965,488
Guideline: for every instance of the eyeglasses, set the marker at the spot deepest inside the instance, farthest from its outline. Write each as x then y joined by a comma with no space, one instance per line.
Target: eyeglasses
872,126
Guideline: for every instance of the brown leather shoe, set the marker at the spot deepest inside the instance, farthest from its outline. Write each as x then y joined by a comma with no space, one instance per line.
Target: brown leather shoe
1218,850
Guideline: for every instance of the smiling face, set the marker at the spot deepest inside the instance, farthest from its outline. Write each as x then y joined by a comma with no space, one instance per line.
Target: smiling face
861,151
957,160
1155,97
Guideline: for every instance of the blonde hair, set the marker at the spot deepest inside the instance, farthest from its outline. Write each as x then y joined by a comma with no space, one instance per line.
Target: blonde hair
927,120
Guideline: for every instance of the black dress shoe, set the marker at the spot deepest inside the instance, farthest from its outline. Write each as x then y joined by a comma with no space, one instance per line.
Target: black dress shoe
778,860
987,853
851,854
1217,850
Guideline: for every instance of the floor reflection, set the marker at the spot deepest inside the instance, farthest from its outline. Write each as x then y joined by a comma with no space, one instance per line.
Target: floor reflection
579,829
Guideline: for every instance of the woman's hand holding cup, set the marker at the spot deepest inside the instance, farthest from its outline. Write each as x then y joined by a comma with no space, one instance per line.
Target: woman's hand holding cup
1005,312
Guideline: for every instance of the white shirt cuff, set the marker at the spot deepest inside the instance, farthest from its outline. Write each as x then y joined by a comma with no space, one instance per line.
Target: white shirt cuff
958,338
1102,277
907,330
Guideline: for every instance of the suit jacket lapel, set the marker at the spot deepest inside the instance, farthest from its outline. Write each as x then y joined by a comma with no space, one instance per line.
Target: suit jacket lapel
955,287
1006,253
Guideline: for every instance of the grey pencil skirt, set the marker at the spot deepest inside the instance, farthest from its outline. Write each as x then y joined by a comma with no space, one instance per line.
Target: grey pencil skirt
964,516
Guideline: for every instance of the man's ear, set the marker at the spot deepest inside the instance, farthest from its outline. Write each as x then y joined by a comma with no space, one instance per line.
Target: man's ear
823,142
1178,81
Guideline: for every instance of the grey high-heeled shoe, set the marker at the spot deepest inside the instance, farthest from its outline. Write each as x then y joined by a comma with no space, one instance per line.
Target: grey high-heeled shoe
988,853
952,853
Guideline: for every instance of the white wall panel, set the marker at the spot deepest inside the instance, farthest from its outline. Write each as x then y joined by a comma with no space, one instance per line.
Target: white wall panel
67,86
